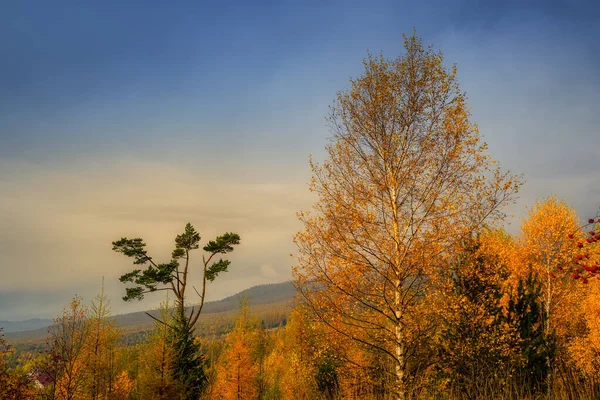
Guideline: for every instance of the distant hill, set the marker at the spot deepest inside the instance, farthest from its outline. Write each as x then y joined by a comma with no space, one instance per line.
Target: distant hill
27,325
261,294
262,298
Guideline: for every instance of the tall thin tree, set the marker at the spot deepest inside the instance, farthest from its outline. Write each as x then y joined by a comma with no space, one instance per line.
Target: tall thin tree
174,277
406,177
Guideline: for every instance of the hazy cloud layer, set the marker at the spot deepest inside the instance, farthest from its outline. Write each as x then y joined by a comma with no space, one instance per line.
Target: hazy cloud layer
61,224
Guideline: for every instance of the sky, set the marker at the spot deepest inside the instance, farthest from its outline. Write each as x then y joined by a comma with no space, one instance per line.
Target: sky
131,118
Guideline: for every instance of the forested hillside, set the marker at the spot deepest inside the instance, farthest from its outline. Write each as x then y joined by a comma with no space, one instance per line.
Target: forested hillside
271,301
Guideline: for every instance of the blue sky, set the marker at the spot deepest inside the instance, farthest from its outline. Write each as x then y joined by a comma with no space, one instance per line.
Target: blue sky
131,118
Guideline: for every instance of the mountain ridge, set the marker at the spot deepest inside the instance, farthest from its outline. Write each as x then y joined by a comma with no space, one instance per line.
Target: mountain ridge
282,293
25,325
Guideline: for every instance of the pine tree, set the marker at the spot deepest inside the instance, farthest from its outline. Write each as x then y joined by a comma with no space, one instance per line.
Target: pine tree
526,314
187,366
475,342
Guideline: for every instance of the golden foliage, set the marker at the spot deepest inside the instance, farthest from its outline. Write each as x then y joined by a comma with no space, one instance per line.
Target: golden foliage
545,245
585,350
122,386
291,365
406,178
237,369
14,384
155,361
68,341
100,350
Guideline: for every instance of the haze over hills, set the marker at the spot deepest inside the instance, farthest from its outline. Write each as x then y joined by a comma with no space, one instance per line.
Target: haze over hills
275,295
26,325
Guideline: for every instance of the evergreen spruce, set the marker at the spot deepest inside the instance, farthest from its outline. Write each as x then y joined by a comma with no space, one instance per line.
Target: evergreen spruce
526,314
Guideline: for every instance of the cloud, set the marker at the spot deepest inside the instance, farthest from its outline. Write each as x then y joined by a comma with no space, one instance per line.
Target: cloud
269,272
58,225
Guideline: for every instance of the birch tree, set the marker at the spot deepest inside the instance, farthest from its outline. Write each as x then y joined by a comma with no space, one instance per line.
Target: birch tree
545,242
68,345
549,241
406,177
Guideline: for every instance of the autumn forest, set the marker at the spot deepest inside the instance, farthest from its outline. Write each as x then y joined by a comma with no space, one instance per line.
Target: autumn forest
408,284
